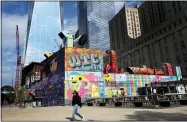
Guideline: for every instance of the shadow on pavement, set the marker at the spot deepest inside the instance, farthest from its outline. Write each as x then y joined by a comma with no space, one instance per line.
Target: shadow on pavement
155,116
70,118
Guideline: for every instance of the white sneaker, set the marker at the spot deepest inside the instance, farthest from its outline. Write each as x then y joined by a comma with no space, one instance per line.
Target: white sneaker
82,118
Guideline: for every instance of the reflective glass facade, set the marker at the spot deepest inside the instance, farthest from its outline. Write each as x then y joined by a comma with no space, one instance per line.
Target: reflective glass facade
93,20
44,24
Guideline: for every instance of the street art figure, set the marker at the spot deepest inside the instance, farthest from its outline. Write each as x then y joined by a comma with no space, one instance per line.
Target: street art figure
168,68
54,65
113,66
83,84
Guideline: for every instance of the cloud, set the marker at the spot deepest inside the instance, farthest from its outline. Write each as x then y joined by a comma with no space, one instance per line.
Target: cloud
70,24
75,5
9,23
118,6
8,68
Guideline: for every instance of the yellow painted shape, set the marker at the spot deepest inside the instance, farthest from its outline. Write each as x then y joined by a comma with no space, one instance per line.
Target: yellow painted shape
108,78
95,92
140,79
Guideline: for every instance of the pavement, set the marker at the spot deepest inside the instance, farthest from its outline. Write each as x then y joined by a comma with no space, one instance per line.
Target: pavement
63,113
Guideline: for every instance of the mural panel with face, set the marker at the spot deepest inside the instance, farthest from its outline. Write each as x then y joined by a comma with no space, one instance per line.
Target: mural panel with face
76,81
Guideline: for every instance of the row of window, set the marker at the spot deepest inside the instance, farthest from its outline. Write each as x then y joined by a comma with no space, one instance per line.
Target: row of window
138,61
134,63
157,14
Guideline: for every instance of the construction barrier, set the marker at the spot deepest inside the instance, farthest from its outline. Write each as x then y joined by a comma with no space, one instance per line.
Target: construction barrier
140,101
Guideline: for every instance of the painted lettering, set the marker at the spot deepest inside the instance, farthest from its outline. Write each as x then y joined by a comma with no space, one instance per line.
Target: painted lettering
95,58
84,60
71,61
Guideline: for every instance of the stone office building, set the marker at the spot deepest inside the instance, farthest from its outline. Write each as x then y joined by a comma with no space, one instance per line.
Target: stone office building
163,36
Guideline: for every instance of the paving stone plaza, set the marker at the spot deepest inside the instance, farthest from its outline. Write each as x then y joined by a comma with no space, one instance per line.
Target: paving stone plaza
61,113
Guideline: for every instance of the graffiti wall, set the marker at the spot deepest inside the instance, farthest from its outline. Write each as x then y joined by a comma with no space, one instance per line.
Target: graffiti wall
116,84
88,84
53,65
81,59
95,84
51,90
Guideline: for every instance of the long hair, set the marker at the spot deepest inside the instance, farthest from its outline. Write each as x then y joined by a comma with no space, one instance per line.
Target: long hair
76,93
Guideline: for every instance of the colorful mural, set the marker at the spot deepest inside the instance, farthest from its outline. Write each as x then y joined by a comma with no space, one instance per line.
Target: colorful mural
88,84
131,82
96,84
81,59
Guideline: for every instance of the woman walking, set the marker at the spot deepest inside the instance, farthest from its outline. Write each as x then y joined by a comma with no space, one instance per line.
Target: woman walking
76,102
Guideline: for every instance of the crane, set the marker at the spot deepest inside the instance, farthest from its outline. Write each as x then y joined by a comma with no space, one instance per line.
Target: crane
17,83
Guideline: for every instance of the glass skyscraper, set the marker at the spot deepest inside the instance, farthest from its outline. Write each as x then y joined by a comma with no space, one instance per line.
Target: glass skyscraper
93,18
45,21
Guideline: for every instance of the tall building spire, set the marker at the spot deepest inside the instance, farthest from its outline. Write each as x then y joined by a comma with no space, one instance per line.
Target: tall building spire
44,24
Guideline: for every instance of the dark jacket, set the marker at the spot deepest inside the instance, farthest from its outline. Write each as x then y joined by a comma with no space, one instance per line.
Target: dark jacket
76,100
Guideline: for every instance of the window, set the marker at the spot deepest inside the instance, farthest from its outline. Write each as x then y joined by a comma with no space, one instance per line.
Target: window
131,63
140,60
160,32
166,48
134,62
180,21
169,27
185,57
164,29
180,33
178,60
133,53
175,24
182,44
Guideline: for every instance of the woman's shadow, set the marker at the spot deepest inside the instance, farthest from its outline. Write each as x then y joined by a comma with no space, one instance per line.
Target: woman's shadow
70,119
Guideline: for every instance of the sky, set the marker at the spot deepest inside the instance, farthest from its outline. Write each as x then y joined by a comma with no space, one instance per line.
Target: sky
16,13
